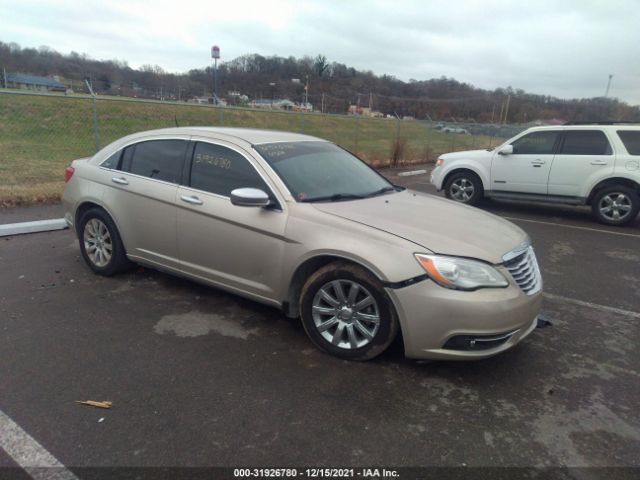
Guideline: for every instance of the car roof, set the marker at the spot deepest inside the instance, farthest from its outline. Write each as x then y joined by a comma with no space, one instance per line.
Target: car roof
252,136
591,126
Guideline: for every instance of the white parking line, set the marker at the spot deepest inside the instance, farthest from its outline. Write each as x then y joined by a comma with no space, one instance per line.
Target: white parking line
29,454
574,227
595,306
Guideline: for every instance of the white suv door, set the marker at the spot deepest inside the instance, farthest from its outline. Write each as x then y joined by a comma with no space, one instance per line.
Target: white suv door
526,170
583,158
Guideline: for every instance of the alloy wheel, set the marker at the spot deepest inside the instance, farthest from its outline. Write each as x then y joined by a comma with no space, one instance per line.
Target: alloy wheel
462,189
97,242
346,314
615,206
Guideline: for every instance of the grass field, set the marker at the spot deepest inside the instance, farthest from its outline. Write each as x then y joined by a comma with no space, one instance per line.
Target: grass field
40,135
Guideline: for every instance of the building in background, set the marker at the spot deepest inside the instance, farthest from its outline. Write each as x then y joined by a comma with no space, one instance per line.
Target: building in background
25,81
364,111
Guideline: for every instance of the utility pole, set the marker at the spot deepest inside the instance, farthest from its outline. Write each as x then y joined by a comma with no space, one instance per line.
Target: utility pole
370,102
322,104
493,112
306,93
606,93
506,110
4,77
273,92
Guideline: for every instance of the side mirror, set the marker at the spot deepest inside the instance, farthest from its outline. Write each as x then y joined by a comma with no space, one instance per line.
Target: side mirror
249,197
506,150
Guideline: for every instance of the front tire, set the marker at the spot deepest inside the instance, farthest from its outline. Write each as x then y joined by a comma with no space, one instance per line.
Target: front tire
346,312
464,187
100,243
615,205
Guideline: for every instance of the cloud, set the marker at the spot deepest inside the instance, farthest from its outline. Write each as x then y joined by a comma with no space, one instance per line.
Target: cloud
566,49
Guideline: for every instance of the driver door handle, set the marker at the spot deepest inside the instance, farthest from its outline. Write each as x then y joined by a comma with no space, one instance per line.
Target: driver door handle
193,200
599,162
538,162
120,180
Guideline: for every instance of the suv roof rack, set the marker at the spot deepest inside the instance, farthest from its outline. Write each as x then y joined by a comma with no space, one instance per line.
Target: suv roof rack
602,123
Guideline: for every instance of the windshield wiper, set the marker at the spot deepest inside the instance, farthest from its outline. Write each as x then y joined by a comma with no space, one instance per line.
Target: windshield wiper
336,197
381,191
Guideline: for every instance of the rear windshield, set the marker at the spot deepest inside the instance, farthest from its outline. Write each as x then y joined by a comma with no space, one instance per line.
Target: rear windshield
631,140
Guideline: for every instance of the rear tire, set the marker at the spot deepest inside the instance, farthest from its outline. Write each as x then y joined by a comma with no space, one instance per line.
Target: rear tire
346,312
100,243
464,187
615,205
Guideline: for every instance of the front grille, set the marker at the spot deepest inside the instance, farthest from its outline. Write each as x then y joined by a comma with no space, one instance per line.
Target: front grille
525,271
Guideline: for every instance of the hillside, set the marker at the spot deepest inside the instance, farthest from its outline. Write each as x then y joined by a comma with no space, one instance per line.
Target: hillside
332,87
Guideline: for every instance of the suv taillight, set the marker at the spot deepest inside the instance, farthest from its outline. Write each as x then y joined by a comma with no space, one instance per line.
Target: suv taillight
68,173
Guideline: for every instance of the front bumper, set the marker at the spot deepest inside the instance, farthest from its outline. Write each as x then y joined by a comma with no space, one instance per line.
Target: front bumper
436,322
436,178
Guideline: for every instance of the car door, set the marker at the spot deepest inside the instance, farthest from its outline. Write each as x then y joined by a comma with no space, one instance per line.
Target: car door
526,170
142,196
240,248
584,157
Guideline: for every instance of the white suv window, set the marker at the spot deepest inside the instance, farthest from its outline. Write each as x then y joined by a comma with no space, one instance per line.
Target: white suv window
536,143
631,140
585,142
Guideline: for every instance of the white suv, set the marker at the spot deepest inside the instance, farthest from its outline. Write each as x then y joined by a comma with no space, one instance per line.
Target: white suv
595,164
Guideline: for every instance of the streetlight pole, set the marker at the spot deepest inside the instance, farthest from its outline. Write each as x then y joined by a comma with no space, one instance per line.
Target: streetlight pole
606,93
215,54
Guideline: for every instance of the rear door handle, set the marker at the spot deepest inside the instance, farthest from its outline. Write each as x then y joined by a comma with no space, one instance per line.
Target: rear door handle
192,200
599,162
120,180
538,162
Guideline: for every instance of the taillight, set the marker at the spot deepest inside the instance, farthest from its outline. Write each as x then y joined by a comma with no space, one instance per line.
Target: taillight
68,173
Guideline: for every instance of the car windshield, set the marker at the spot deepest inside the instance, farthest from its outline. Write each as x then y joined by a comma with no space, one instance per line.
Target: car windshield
322,171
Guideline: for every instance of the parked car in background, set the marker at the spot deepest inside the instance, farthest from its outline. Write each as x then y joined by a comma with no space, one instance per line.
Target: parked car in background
595,165
454,130
298,223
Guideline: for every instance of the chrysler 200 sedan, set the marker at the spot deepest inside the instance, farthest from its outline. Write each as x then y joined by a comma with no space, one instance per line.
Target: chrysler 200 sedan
299,223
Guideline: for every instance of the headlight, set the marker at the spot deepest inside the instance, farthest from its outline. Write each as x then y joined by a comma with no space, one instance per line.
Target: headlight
460,273
439,162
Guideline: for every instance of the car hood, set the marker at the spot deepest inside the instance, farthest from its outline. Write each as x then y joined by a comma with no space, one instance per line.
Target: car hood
467,155
439,225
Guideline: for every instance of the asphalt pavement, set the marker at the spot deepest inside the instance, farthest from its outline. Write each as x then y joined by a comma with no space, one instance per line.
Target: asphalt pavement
199,377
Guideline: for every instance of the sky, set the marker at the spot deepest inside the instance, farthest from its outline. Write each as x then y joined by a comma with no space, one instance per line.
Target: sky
564,48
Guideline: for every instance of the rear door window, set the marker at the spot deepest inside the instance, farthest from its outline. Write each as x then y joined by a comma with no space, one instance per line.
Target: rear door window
585,142
217,169
113,161
536,143
157,159
631,140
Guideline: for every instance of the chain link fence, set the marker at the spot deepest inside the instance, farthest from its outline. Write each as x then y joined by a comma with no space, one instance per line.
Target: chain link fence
40,134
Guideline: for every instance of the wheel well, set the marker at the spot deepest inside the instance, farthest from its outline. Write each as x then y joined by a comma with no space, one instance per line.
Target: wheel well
610,182
302,273
80,211
460,170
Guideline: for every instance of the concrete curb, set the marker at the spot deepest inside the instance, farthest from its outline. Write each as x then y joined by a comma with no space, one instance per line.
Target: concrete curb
411,172
32,227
